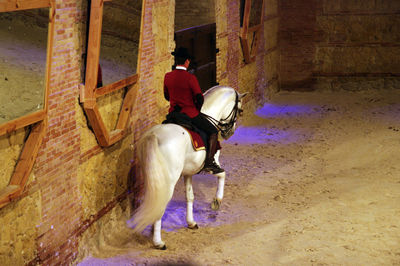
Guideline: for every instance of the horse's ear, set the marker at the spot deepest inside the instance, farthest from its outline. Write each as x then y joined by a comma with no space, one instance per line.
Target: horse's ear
241,95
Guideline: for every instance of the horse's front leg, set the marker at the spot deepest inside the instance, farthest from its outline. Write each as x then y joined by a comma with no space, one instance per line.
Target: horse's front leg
216,203
189,203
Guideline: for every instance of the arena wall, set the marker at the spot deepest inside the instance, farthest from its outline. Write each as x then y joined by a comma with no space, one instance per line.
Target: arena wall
193,13
77,188
333,45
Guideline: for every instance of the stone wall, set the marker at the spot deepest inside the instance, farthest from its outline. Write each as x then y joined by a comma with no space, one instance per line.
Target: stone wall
78,188
193,13
330,45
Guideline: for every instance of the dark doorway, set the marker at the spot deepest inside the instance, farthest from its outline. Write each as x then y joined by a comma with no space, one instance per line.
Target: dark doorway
201,42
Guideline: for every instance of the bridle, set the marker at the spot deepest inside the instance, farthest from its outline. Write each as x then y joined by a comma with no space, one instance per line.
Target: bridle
226,125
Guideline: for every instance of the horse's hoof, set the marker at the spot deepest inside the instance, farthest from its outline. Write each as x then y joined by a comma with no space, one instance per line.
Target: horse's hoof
215,204
193,226
161,247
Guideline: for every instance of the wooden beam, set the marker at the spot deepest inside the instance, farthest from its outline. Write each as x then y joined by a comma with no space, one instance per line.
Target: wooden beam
246,50
28,155
93,50
250,51
127,106
21,122
96,122
50,34
14,5
254,45
116,85
82,95
8,193
246,17
115,136
254,28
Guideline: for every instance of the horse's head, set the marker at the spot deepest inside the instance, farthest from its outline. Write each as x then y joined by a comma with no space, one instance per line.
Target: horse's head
230,115
223,106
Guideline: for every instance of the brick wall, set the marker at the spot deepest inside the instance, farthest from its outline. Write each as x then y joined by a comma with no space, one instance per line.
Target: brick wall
331,45
58,159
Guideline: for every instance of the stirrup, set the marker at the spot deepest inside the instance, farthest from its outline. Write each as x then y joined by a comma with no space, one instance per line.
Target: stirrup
213,167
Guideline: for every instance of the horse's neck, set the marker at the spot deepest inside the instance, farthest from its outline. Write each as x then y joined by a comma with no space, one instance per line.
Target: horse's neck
214,109
215,104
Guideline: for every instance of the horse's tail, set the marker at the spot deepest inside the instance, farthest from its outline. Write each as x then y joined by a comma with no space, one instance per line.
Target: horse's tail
154,173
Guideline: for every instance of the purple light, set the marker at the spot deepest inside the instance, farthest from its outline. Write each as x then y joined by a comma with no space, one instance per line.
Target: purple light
276,110
260,135
263,134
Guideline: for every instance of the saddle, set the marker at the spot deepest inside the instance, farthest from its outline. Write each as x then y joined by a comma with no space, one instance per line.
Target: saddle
198,137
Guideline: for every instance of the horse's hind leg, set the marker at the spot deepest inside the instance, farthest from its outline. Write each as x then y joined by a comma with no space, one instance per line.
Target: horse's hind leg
158,243
189,203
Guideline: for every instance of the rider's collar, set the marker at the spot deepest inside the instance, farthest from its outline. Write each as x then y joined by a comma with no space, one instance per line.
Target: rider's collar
180,67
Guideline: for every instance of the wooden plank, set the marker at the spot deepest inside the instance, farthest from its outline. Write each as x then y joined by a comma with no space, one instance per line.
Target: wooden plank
257,31
96,122
254,28
115,136
93,53
127,106
246,18
14,5
8,193
254,47
28,155
21,122
82,94
250,51
116,85
245,49
50,34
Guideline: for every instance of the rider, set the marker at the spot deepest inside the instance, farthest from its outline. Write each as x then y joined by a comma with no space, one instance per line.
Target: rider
182,90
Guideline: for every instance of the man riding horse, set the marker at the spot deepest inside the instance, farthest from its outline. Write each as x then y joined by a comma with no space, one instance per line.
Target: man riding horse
183,91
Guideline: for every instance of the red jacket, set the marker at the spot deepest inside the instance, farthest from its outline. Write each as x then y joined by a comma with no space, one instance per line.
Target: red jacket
181,88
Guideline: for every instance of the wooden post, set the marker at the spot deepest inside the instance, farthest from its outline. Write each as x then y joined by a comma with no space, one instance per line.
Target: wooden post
250,50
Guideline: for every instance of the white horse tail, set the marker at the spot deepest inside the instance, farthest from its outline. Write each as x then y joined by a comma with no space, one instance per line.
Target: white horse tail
154,172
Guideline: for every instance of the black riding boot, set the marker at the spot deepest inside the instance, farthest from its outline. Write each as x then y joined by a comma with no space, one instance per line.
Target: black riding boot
210,164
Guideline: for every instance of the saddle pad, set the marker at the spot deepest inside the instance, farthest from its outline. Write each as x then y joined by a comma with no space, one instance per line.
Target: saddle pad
197,141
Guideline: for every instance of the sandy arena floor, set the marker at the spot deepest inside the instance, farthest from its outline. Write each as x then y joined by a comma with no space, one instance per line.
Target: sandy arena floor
313,179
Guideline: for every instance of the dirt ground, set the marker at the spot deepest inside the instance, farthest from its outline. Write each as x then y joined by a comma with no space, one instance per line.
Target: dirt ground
312,179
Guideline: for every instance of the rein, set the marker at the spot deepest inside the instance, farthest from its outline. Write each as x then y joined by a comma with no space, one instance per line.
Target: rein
226,127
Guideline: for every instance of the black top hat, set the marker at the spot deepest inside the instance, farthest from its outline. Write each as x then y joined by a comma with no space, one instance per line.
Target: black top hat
182,52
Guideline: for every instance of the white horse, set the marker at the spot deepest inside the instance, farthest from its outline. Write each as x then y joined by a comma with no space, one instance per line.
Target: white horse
165,153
